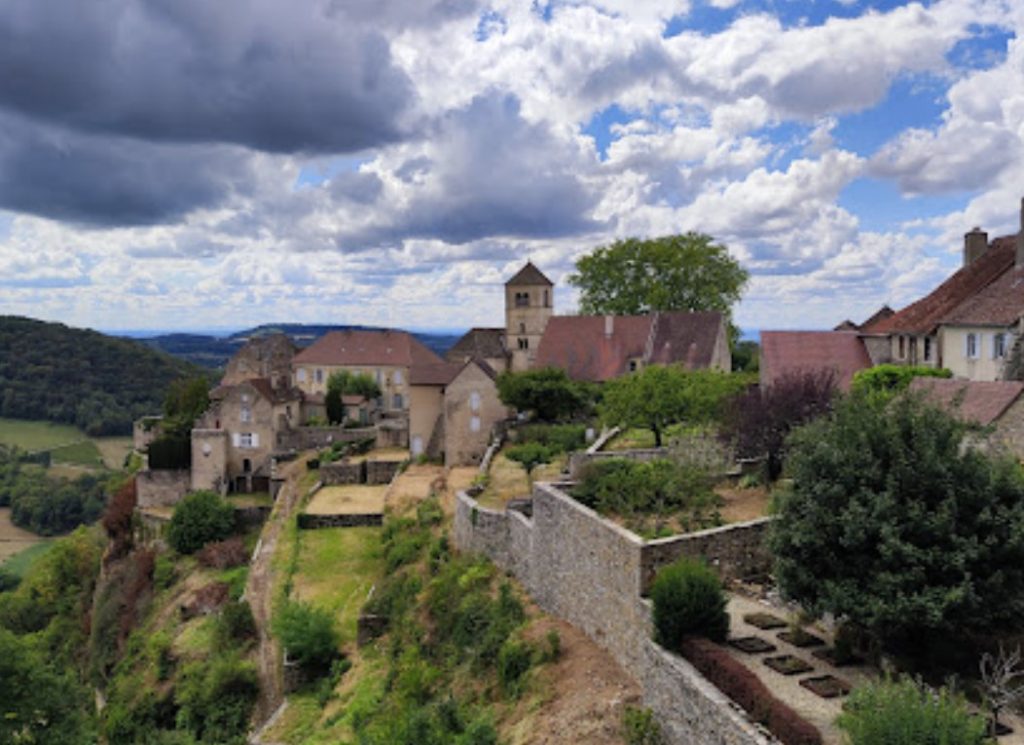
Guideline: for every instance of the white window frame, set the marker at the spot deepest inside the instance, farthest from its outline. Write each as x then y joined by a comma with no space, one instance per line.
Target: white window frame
474,401
972,348
245,415
397,379
248,440
998,346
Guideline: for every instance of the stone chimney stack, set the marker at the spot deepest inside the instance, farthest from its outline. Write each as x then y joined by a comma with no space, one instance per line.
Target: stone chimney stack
1020,236
609,326
975,244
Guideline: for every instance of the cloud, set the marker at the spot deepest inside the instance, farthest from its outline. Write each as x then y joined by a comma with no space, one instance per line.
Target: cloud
252,73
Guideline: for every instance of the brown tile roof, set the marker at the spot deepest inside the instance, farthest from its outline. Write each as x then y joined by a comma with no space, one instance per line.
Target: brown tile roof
441,373
999,304
262,386
847,325
580,345
981,402
796,352
879,315
688,338
478,342
366,347
924,315
529,275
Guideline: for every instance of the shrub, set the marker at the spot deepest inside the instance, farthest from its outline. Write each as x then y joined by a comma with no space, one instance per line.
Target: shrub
119,520
403,541
640,728
308,635
514,660
688,600
888,380
223,554
903,711
529,455
733,679
235,623
215,698
199,518
548,392
8,580
429,512
164,572
559,438
394,595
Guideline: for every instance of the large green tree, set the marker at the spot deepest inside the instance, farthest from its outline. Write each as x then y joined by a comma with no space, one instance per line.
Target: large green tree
674,272
547,392
892,523
658,396
345,383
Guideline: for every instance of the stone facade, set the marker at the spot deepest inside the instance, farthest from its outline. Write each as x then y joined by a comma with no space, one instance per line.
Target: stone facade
267,357
590,572
471,408
527,310
209,460
426,425
145,430
393,381
986,363
309,438
343,472
381,471
161,488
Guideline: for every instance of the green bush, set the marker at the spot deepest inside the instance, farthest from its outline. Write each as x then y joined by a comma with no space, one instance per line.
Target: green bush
403,540
888,380
530,455
559,438
514,660
688,601
429,512
395,594
235,623
308,635
199,518
640,728
893,712
215,698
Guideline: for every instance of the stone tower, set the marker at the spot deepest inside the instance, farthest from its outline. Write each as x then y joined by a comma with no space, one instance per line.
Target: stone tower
529,299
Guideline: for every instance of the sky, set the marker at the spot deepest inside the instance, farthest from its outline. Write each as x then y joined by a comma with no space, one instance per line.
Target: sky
182,164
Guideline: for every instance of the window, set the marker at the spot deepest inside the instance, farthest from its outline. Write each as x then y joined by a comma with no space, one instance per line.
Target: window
927,349
524,343
632,366
522,299
398,401
247,439
245,398
246,465
474,401
301,375
972,346
522,328
245,415
377,376
998,346
903,347
319,375
546,303
474,424
398,377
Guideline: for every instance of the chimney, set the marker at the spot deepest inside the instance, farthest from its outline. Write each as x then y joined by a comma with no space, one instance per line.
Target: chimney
975,244
609,326
1020,237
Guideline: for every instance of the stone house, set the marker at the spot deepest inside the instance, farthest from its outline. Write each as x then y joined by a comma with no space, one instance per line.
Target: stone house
385,355
487,344
997,406
454,410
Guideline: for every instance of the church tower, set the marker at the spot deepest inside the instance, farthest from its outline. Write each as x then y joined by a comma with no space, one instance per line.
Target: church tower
529,300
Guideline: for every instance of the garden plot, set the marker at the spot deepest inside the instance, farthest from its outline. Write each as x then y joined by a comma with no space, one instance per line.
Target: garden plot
350,499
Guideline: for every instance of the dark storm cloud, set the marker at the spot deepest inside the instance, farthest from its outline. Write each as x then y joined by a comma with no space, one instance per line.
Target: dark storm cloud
495,174
266,74
110,181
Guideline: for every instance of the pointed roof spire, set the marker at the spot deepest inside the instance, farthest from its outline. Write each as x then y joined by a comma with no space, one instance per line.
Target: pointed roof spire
529,275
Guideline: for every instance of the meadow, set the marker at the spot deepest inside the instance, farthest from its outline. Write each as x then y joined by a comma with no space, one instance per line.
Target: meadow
65,443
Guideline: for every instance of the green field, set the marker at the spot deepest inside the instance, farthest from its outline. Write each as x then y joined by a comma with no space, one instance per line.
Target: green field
66,444
22,561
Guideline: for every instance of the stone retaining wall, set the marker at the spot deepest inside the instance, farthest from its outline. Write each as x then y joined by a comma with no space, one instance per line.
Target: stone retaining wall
590,572
314,522
580,460
161,488
309,438
342,472
381,471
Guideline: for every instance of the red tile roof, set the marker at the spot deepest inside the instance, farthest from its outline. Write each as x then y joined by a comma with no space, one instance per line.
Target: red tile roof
441,373
923,316
785,353
365,347
529,275
877,317
584,348
999,304
981,402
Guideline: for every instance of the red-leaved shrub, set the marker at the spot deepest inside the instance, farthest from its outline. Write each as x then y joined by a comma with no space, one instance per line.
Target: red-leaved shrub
733,679
223,554
118,519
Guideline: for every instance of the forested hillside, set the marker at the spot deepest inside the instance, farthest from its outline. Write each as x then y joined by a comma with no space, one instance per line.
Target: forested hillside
96,382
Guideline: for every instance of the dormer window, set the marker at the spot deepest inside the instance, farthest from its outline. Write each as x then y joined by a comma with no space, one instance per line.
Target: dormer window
245,415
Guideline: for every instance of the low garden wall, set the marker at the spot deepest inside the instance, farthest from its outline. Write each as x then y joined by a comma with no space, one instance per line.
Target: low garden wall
308,438
580,460
381,471
342,472
589,571
314,522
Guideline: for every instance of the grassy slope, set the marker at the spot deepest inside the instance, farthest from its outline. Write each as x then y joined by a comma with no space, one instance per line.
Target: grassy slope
34,435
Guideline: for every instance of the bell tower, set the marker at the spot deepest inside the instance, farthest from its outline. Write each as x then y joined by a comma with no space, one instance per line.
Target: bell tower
529,303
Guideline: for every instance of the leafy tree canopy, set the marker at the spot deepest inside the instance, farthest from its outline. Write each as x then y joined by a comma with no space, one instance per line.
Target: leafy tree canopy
658,396
548,392
888,380
199,518
894,525
186,400
675,272
345,383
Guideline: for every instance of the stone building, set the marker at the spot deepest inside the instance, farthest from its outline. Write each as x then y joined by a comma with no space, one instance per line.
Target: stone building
997,406
454,411
529,305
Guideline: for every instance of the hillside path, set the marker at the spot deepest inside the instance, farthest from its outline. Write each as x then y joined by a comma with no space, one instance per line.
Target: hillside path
259,591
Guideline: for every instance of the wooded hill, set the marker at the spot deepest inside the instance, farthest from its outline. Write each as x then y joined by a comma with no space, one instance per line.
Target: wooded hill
76,376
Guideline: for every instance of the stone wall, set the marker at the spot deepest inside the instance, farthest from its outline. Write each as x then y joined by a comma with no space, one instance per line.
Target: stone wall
590,572
161,488
308,438
381,471
343,472
580,460
315,522
737,551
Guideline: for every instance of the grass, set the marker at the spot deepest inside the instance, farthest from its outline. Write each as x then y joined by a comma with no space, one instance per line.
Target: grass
82,453
14,541
114,450
256,499
348,499
507,479
66,444
23,561
638,438
34,436
336,569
